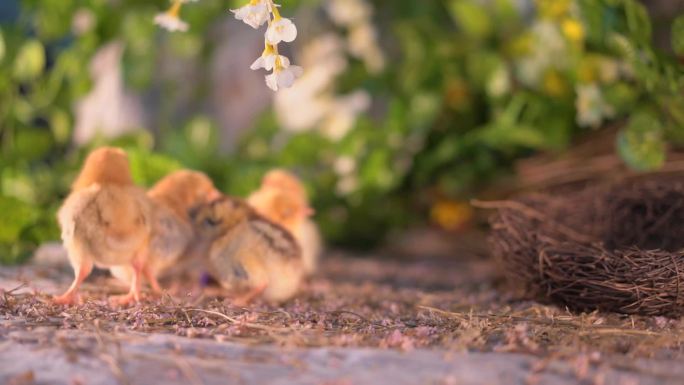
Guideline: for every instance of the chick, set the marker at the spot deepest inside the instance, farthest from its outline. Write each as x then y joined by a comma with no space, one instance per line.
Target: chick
172,199
248,254
282,199
105,221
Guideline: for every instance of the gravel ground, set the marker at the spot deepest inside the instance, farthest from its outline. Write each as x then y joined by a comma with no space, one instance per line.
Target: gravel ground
371,320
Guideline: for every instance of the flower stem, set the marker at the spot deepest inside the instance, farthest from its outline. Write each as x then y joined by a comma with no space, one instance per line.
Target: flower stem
274,10
174,11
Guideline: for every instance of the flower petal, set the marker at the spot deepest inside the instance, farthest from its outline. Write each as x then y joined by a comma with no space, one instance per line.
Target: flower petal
272,36
272,81
289,33
170,23
258,63
241,12
286,78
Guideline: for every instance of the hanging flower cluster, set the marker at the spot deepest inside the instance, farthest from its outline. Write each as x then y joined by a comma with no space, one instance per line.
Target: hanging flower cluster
255,14
170,19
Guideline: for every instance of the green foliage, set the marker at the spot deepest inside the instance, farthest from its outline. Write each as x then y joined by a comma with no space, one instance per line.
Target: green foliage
16,216
472,17
641,143
677,36
472,86
147,168
30,61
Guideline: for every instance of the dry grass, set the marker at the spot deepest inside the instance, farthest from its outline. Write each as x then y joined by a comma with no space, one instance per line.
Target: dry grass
617,247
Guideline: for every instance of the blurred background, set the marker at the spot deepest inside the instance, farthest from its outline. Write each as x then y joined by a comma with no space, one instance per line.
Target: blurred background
406,110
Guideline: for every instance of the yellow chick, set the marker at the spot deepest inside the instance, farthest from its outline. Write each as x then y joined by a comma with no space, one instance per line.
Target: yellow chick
248,254
172,199
283,199
105,221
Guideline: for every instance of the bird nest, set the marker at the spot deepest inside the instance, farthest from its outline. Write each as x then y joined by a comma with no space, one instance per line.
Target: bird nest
616,248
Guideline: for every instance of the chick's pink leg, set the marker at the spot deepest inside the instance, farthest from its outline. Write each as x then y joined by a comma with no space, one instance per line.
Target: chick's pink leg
81,272
134,293
152,279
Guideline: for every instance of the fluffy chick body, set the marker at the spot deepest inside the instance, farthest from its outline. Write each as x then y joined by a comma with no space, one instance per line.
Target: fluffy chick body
105,221
282,199
172,198
248,254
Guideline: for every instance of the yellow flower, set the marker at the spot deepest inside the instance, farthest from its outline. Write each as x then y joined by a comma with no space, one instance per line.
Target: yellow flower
598,69
451,215
553,9
586,72
554,84
573,30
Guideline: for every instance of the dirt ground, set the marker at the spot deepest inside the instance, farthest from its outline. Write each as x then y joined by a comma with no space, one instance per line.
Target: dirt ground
422,316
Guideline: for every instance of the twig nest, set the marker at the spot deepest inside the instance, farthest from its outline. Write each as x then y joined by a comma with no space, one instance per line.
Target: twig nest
615,248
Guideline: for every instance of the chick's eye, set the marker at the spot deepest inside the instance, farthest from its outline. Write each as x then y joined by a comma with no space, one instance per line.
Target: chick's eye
210,222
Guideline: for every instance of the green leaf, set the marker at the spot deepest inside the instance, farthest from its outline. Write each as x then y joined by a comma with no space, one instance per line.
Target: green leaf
641,143
32,143
678,35
60,124
30,61
638,21
622,46
471,17
148,168
622,96
16,215
423,109
201,134
503,136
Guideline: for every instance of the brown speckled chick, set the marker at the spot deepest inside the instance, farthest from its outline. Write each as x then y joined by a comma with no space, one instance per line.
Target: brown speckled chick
105,221
172,233
248,254
283,199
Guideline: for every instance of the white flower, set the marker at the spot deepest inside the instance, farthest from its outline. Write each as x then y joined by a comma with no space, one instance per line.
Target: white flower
344,114
83,21
344,165
347,185
170,22
363,44
254,14
549,51
591,106
283,77
170,19
348,12
268,59
609,70
499,83
281,30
